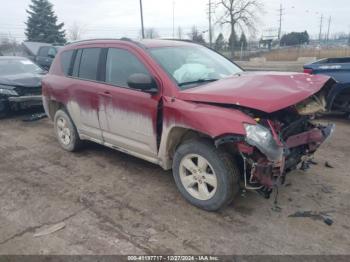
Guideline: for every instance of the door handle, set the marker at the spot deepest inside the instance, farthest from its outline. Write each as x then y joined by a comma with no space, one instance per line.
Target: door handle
105,93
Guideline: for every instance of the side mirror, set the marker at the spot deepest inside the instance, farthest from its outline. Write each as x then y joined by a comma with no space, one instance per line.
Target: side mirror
51,55
143,82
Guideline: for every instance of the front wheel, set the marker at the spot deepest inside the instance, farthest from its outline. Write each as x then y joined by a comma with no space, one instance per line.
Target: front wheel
207,177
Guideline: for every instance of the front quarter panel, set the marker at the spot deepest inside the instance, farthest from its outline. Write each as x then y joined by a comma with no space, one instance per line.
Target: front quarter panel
210,120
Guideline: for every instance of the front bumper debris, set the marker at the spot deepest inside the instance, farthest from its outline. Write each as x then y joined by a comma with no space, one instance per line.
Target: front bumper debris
262,174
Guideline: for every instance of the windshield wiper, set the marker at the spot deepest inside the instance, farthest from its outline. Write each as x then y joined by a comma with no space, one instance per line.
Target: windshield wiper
199,81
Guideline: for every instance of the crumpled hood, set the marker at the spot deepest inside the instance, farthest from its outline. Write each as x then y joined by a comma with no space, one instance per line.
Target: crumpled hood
264,91
21,80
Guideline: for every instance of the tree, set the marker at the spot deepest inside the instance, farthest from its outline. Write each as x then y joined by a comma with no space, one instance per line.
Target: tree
195,36
219,42
239,13
151,33
233,41
75,32
243,41
42,23
295,38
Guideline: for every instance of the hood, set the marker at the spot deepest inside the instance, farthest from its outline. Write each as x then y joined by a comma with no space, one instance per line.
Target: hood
264,91
21,80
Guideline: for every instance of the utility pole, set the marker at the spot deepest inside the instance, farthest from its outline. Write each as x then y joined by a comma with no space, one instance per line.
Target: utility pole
321,26
142,27
210,25
173,19
280,22
329,27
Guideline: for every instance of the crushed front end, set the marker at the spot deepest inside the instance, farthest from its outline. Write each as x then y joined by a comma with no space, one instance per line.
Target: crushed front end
281,142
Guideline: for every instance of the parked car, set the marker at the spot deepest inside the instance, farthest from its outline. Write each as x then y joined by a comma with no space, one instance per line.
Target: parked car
187,108
20,84
338,68
45,56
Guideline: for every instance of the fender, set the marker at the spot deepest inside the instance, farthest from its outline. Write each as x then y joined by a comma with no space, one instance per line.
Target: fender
210,120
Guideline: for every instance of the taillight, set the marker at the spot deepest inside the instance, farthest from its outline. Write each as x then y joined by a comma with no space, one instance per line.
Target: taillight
308,71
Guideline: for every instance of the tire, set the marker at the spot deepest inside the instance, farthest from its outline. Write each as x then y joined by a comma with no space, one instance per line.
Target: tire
219,163
66,132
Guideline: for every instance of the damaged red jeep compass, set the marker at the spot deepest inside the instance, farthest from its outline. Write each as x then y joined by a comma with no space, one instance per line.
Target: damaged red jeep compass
187,108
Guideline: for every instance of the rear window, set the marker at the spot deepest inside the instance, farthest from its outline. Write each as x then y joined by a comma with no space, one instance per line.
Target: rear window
89,63
66,59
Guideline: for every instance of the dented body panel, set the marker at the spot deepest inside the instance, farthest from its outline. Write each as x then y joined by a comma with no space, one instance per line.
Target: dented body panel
264,91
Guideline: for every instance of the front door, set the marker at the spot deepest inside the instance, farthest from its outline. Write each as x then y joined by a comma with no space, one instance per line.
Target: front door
128,117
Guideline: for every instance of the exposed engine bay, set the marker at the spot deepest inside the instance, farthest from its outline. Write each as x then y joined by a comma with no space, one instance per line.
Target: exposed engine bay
281,142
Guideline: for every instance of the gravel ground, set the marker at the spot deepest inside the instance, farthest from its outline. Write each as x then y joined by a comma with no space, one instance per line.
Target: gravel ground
112,203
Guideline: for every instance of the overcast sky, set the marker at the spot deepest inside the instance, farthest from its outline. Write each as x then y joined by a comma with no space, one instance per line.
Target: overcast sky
118,18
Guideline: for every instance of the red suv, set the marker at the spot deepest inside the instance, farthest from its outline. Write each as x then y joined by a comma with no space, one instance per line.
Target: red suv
187,108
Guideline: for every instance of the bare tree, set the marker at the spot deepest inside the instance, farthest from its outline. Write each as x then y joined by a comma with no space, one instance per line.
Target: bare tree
242,14
8,44
196,36
151,33
75,32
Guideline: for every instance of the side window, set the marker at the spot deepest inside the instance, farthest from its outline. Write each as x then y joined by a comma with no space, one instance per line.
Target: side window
120,65
52,52
89,63
66,59
76,64
43,51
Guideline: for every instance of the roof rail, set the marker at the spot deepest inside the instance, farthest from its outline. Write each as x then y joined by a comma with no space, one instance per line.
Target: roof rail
96,39
181,40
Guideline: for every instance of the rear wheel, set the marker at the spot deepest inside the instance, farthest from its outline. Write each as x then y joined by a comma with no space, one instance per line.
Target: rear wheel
66,132
207,177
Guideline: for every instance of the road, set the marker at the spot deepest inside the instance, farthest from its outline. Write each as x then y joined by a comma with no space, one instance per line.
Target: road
112,203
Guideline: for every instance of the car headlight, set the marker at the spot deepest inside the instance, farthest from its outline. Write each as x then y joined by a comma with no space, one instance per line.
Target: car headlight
9,92
261,138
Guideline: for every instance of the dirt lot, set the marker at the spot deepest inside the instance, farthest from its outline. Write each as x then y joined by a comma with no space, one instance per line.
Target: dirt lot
292,66
112,203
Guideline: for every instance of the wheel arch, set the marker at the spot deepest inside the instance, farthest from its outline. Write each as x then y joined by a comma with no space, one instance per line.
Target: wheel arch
177,135
52,106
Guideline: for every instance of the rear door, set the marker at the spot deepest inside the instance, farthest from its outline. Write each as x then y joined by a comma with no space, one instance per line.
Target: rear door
84,92
128,117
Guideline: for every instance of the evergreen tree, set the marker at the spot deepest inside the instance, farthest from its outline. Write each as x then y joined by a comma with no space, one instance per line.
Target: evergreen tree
243,41
220,42
233,41
42,23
